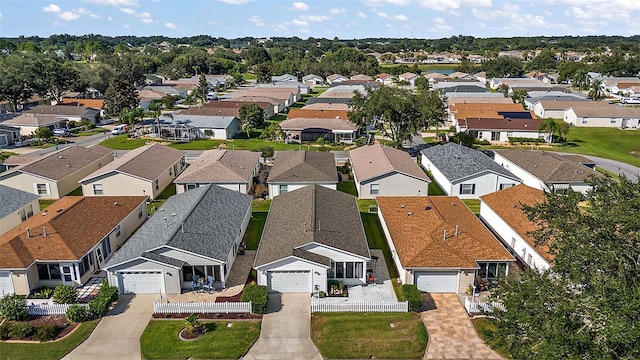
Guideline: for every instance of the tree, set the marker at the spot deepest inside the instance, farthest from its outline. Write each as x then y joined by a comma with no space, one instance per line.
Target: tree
503,66
564,130
202,90
273,132
16,80
422,84
54,77
519,96
119,95
43,133
504,89
266,151
586,306
581,79
432,107
545,61
251,117
263,73
595,90
254,55
549,126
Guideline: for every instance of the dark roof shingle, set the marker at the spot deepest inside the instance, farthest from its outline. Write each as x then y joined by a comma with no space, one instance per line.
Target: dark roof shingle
303,166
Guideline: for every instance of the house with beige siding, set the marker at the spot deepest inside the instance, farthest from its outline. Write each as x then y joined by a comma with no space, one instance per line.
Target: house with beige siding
296,169
439,245
58,173
605,115
145,171
384,171
17,206
67,242
230,169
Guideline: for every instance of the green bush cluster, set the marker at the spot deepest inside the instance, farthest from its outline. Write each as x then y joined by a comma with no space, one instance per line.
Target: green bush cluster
41,293
12,307
47,332
76,313
65,294
99,305
257,295
525,140
21,330
413,296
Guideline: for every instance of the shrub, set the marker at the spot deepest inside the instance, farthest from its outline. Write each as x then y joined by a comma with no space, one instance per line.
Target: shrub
47,332
65,294
99,305
257,295
4,331
12,307
76,313
21,330
413,296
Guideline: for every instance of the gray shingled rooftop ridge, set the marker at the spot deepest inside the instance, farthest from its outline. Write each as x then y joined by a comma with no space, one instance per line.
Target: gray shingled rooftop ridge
312,214
14,199
303,166
204,221
457,162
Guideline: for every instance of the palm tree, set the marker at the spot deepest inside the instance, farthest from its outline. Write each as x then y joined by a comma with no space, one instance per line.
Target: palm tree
549,126
595,91
581,79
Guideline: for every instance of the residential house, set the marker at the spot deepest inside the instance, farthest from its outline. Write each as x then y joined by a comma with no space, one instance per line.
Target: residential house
329,106
284,78
384,79
462,88
312,235
502,211
8,135
194,235
58,173
17,206
166,89
481,76
230,169
67,242
266,106
548,171
408,77
500,130
361,77
318,114
556,109
71,112
296,169
313,80
474,98
460,111
277,104
384,171
30,123
465,172
336,78
294,86
300,130
286,95
145,171
605,115
212,122
439,245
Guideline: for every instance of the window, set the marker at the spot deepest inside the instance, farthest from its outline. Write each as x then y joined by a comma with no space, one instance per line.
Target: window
513,243
467,189
140,211
29,211
118,232
505,186
183,163
585,120
374,189
157,185
42,189
492,270
345,270
106,247
495,135
49,272
97,189
23,214
283,188
170,171
339,270
529,259
614,120
188,187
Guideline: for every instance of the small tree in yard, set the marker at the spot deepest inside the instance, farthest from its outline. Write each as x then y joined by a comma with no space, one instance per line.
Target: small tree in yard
43,133
267,151
12,308
273,132
251,116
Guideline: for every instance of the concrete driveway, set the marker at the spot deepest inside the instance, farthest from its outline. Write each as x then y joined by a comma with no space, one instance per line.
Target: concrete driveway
117,336
286,329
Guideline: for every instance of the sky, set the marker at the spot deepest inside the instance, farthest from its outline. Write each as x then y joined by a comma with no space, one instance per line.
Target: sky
346,19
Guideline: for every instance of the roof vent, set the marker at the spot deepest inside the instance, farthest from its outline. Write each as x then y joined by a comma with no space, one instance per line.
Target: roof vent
409,213
116,204
60,157
402,206
44,213
59,210
427,207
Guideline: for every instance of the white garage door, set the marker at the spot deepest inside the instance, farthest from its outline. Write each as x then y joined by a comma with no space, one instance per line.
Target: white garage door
140,282
290,281
437,282
6,285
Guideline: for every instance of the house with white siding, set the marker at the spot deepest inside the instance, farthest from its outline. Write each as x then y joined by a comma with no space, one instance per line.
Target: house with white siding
296,169
500,130
17,206
605,115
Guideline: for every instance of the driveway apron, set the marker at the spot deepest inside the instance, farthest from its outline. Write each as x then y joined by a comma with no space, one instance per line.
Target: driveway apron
117,336
451,333
286,328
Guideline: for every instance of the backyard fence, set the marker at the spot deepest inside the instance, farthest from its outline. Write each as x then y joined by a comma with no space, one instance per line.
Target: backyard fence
480,307
353,306
201,307
50,309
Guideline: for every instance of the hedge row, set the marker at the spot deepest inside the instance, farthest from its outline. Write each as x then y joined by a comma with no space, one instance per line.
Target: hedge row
413,296
258,295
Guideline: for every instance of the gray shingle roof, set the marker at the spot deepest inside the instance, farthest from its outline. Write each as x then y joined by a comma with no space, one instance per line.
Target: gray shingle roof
219,166
199,121
312,214
14,199
212,218
457,162
303,166
550,167
163,259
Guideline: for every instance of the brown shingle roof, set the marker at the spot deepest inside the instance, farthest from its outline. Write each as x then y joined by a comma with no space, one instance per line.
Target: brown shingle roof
233,103
62,163
416,225
604,110
549,167
563,104
508,204
92,103
377,160
320,114
327,106
328,123
74,224
490,107
60,110
211,111
303,166
221,166
478,100
146,162
311,214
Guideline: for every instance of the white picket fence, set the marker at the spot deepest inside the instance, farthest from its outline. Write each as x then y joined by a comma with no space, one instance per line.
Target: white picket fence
356,306
480,307
49,309
201,307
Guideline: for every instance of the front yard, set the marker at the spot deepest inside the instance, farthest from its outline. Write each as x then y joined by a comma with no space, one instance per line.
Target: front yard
48,350
486,329
369,335
220,341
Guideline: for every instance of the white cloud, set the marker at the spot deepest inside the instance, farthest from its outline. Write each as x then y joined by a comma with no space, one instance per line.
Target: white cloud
401,17
0,15
235,2
298,22
69,16
128,11
114,2
95,16
51,8
145,17
256,20
362,15
110,19
170,25
440,25
383,14
280,27
338,11
390,2
126,26
299,5
314,18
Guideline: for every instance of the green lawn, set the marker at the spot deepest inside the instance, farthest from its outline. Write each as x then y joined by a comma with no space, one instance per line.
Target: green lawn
76,192
48,350
369,335
377,240
94,131
260,205
365,204
121,142
485,327
161,199
434,188
249,76
5,154
473,205
45,203
254,230
160,340
348,187
615,144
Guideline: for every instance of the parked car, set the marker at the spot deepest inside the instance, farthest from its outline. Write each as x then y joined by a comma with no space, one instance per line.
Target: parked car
61,132
120,129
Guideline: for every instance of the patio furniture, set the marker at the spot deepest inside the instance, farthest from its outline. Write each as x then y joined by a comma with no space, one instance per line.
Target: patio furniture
195,284
208,286
482,284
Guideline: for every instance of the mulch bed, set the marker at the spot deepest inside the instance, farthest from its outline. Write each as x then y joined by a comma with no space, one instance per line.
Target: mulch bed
219,316
38,321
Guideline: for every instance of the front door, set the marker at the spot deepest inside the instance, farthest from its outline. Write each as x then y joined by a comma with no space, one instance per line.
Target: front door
100,257
68,274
